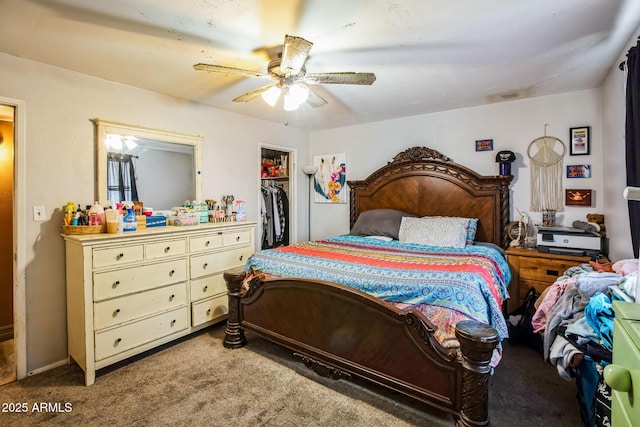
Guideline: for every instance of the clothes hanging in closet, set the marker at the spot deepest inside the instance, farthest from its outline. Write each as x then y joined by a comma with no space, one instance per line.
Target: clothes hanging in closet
275,215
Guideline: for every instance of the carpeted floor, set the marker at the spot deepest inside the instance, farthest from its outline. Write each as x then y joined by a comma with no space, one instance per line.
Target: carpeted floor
197,382
7,362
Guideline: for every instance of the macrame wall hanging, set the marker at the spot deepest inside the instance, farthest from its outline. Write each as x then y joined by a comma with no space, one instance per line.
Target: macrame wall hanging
546,155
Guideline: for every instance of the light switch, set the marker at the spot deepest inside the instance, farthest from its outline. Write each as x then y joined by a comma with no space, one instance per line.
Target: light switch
38,213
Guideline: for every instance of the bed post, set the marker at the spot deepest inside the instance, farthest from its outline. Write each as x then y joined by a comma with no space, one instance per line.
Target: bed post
233,334
477,342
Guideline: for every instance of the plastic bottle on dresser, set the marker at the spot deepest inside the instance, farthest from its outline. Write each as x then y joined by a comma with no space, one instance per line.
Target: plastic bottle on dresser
96,214
69,213
129,222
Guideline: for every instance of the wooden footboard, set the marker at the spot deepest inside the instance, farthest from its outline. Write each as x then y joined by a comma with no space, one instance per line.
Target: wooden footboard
338,332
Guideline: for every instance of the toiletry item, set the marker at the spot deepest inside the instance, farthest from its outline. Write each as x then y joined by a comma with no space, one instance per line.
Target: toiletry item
130,222
69,213
241,215
96,214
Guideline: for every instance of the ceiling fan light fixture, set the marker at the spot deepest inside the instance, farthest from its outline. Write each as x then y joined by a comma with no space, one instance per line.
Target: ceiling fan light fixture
295,96
271,95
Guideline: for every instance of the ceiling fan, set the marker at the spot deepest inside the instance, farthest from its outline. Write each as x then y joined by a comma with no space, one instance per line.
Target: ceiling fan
290,77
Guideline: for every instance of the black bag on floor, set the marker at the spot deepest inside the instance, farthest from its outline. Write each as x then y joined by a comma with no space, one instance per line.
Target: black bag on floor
519,323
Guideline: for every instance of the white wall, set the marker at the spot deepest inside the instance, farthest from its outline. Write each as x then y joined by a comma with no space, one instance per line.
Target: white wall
613,118
60,168
511,125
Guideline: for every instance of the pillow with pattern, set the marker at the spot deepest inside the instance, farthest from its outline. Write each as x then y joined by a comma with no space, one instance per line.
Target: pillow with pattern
472,227
448,232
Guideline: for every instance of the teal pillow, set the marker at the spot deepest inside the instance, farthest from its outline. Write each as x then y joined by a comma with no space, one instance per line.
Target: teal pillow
472,228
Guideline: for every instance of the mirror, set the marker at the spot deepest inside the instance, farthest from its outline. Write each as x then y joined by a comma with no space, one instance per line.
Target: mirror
166,164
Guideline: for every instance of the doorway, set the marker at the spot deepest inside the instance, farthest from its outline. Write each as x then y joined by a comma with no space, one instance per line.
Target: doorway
277,225
8,371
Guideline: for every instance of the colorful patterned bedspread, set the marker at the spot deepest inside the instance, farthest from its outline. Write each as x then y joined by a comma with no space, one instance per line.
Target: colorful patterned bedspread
472,280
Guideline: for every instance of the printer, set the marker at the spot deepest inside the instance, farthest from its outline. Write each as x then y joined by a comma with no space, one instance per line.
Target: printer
569,241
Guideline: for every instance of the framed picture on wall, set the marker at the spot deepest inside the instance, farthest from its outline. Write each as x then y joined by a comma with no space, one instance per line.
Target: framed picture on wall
579,140
329,182
578,171
484,145
577,197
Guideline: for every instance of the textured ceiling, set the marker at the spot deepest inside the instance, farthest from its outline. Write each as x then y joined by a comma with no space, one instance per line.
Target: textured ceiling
427,55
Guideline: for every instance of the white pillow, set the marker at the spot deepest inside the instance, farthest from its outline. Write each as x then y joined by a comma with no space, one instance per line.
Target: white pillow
434,231
383,238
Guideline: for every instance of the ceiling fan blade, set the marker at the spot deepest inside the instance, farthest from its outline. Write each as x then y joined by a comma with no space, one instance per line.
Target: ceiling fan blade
314,100
294,54
346,78
253,94
229,70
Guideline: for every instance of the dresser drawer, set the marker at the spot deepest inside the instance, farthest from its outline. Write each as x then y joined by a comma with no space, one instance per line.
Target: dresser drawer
110,257
236,238
625,408
166,248
110,284
544,270
206,242
123,309
208,286
113,341
208,310
203,265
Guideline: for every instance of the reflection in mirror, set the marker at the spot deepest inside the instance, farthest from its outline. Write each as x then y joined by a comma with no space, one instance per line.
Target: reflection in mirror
159,168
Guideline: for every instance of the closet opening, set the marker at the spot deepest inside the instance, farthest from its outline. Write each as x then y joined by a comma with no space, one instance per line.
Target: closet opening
276,197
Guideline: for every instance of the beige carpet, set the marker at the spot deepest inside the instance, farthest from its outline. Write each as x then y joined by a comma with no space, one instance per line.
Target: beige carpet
7,362
197,382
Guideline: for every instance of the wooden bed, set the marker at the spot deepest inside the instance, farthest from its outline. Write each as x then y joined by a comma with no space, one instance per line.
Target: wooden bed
340,332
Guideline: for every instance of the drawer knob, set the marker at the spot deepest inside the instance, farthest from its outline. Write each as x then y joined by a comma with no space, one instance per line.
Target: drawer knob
241,257
553,273
171,273
167,249
617,377
219,233
204,266
237,238
115,312
173,322
119,256
204,289
172,297
208,312
117,341
115,284
207,243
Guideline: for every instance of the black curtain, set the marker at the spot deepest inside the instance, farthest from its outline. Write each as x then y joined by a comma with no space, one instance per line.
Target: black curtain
632,140
121,178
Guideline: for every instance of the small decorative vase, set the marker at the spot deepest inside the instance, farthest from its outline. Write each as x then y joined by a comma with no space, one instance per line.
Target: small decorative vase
548,218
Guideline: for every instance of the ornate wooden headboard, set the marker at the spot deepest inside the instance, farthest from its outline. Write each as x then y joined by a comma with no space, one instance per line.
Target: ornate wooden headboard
422,182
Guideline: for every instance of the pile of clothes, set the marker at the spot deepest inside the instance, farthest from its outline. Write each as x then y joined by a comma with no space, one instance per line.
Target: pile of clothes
575,317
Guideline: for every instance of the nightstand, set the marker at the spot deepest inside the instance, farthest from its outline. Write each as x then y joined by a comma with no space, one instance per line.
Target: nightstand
530,268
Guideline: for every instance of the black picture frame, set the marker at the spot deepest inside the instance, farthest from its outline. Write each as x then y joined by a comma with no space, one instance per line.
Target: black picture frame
484,145
578,171
579,141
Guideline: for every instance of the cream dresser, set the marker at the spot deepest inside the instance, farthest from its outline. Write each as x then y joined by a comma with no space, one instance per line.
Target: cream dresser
130,292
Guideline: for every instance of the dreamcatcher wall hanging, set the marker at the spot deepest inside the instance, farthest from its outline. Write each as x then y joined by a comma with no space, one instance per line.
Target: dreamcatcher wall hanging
545,154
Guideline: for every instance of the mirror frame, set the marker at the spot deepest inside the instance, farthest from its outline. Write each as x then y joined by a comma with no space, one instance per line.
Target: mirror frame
104,127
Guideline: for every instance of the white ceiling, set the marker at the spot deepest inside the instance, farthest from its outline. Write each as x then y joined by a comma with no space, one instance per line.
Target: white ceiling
428,55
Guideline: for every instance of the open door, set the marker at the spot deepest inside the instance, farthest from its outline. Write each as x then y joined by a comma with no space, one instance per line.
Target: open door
7,342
